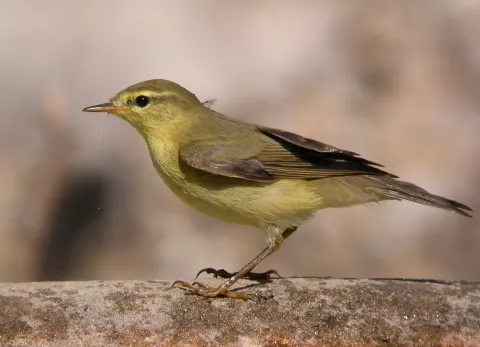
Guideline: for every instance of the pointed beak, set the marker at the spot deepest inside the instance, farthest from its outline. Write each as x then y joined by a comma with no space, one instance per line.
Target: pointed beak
107,107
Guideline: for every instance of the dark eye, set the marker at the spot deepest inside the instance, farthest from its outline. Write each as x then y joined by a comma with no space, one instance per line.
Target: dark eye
142,100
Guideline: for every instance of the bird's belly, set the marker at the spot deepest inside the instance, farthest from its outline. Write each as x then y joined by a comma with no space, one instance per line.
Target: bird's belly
284,203
219,209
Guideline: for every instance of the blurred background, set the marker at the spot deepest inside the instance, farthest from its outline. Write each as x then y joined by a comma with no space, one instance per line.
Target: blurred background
396,81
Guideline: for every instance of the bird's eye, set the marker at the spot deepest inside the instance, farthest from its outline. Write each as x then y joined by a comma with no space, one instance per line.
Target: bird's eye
142,100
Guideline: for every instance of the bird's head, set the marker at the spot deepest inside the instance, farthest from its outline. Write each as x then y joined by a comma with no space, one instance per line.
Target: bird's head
149,104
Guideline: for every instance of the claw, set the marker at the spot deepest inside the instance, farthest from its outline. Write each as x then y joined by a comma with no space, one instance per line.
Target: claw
208,270
222,273
199,289
199,285
268,274
182,284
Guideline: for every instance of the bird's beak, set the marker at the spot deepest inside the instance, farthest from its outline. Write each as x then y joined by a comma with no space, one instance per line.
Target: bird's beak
107,107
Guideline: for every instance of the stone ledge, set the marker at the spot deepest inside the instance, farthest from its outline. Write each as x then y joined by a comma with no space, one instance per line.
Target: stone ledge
286,312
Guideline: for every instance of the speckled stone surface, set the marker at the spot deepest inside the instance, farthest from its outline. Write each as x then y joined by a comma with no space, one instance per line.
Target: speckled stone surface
283,312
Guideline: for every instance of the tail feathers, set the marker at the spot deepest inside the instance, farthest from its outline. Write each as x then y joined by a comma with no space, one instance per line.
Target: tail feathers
399,190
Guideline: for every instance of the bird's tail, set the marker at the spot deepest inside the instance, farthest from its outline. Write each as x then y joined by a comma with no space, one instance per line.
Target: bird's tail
393,189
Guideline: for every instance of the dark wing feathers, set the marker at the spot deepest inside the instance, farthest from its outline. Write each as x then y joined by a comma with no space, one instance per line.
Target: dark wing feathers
302,141
294,156
315,146
280,155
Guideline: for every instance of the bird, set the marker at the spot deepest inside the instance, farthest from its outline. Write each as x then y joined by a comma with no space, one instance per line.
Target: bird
250,174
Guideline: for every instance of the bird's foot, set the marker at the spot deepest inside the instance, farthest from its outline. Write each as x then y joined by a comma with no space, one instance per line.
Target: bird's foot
254,276
199,289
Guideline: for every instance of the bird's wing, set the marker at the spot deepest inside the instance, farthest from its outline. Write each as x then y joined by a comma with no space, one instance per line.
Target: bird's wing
278,155
225,156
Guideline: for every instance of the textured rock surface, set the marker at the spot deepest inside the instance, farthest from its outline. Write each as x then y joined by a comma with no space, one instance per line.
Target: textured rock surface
284,312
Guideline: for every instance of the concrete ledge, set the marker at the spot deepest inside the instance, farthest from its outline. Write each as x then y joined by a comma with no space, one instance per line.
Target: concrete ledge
286,312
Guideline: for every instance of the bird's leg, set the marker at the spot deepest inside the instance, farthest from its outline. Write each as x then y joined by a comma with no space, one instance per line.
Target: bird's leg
199,289
254,276
222,290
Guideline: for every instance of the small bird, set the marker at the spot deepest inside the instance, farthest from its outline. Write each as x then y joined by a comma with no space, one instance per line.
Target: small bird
250,174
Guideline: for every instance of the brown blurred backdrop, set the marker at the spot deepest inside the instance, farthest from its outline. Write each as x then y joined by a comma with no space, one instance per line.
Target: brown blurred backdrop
397,81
